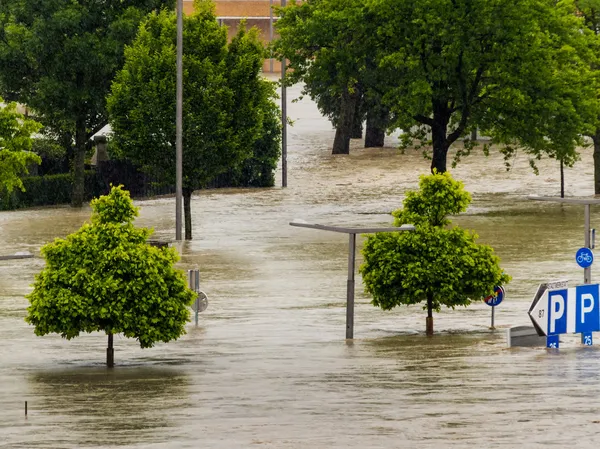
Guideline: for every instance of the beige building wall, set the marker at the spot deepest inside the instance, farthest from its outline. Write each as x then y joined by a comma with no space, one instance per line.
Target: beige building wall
256,13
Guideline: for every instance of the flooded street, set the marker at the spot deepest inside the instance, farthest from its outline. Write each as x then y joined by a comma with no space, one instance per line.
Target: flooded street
268,366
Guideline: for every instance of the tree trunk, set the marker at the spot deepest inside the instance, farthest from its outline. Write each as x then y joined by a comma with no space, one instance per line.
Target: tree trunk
79,163
357,121
110,352
187,212
341,143
429,321
439,136
375,136
596,139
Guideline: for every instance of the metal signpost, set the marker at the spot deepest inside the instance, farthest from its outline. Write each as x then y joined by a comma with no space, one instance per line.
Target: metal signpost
494,300
584,258
201,302
565,311
351,260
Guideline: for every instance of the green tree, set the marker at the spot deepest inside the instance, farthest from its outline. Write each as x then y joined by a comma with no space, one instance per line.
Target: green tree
512,69
330,47
228,108
436,263
15,147
106,277
59,57
590,11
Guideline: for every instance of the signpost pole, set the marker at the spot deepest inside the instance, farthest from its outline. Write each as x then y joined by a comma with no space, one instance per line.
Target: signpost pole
587,272
586,337
350,287
493,308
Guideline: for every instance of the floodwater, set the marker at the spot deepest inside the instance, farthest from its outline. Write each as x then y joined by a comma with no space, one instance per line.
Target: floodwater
268,365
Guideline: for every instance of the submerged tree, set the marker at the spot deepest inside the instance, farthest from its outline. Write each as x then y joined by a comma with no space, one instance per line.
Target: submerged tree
228,106
15,147
515,70
329,44
436,264
59,58
107,277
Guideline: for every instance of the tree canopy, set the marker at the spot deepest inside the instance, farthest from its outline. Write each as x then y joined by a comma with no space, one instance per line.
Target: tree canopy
107,277
228,107
329,46
15,147
515,70
59,57
436,263
589,10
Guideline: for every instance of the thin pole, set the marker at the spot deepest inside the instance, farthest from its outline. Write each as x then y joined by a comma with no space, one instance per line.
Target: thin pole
350,287
493,308
587,272
179,124
562,179
271,33
283,121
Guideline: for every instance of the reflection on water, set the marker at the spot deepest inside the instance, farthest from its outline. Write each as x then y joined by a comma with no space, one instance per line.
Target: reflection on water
268,365
110,407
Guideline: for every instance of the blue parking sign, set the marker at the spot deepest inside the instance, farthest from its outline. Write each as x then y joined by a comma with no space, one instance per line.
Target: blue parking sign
557,313
587,317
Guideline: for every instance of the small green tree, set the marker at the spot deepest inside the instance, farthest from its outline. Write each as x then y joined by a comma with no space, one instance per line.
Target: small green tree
436,263
106,277
15,146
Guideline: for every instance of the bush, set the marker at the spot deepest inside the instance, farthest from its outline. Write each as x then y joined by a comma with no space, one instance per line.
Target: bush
50,190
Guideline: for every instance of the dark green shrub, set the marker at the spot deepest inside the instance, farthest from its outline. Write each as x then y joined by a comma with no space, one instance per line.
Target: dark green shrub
50,190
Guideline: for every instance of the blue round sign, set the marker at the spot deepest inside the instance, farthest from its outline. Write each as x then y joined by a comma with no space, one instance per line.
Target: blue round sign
496,298
584,257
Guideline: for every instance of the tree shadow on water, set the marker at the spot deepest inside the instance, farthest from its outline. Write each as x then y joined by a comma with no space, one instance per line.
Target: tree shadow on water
96,406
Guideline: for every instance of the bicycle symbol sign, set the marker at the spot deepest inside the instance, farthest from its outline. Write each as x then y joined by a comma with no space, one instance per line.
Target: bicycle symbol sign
584,257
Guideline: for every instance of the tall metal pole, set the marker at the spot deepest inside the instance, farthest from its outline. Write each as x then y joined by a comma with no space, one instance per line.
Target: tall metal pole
179,124
350,287
271,34
587,272
283,121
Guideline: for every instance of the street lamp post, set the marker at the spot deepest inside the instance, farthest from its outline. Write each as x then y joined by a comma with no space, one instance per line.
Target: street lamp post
283,121
179,124
351,259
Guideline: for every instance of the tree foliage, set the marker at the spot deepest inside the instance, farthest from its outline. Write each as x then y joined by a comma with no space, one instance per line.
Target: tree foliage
15,147
330,47
437,263
589,10
228,107
106,277
515,70
59,58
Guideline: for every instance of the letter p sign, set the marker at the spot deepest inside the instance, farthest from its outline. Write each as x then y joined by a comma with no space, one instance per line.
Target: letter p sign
557,316
588,316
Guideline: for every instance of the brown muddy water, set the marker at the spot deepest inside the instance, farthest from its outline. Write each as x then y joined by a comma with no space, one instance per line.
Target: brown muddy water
268,365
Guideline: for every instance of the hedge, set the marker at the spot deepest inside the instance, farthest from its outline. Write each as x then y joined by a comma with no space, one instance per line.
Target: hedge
50,190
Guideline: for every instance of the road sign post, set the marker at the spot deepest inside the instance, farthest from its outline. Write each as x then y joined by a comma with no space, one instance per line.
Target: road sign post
495,299
584,256
559,310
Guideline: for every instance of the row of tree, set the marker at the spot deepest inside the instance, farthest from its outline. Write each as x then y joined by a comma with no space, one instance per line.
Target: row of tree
525,73
81,65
